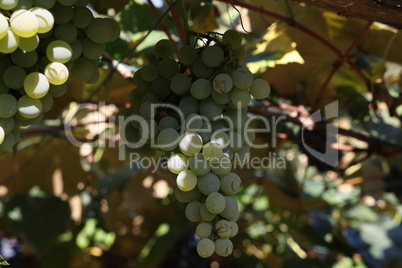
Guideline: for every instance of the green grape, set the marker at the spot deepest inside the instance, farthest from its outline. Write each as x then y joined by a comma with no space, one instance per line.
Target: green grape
8,4
205,131
67,2
220,98
220,138
213,56
192,211
28,107
190,143
8,105
45,19
140,82
210,109
205,214
95,77
92,50
221,166
5,62
203,230
59,51
14,76
82,70
180,84
232,38
242,78
24,23
76,47
201,89
236,141
47,103
7,124
3,87
168,122
149,130
260,89
17,134
212,150
219,125
236,118
8,143
82,17
223,228
2,134
47,4
24,4
163,49
57,91
168,68
56,73
62,14
116,29
100,30
234,228
222,83
24,59
186,180
149,73
205,248
36,85
168,139
231,210
193,122
185,197
29,44
248,136
208,184
240,98
3,26
177,163
200,70
9,43
215,203
131,135
161,88
149,98
187,55
239,54
199,165
188,105
231,183
146,110
242,156
223,247
66,32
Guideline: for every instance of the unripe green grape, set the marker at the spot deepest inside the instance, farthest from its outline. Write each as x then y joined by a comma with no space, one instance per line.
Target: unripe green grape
242,78
45,19
205,248
82,70
219,125
62,14
200,70
149,73
3,26
168,122
81,3
201,89
29,44
8,105
59,51
210,109
168,139
8,143
95,76
100,30
232,38
2,135
190,143
215,203
240,98
161,88
205,214
47,103
235,228
188,105
146,110
236,141
213,56
168,68
235,118
185,197
24,23
212,150
66,32
223,228
177,163
24,59
192,211
149,98
24,4
58,91
199,165
260,89
186,180
248,136
231,183
222,83
180,84
56,73
221,166
208,184
193,122
7,124
76,47
3,87
28,107
47,4
116,29
231,210
220,138
242,156
240,54
203,230
187,55
8,4
82,17
223,247
9,43
163,49
205,132
92,50
14,76
67,2
36,85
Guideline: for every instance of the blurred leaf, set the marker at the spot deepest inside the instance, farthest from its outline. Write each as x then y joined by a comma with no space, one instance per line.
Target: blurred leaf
3,261
204,17
137,17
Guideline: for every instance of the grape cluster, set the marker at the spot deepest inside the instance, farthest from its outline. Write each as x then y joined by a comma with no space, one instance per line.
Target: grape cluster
207,136
42,44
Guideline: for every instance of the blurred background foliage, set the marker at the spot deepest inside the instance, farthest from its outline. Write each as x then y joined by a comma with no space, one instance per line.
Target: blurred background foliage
67,206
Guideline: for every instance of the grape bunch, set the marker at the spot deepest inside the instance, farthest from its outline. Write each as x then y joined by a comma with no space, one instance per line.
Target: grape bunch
206,136
42,44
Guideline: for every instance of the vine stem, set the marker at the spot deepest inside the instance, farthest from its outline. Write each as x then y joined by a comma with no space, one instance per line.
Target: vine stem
177,20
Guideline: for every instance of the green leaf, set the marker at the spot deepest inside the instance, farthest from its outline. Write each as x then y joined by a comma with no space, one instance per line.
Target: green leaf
3,261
